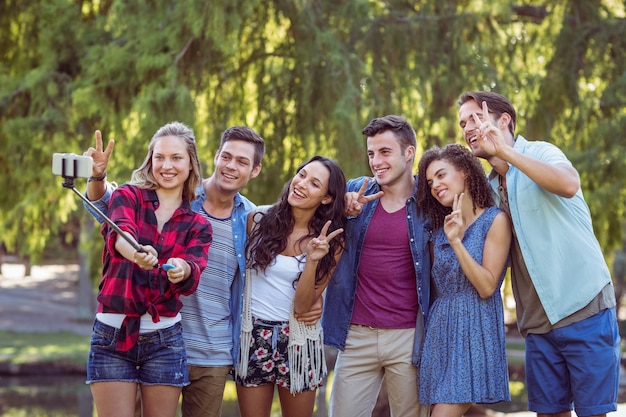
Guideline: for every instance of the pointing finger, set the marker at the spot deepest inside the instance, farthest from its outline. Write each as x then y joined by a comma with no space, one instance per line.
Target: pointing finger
485,111
372,197
324,230
334,233
98,141
477,120
109,149
363,188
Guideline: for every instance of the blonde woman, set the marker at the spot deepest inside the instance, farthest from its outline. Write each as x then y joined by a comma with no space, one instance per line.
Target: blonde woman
137,336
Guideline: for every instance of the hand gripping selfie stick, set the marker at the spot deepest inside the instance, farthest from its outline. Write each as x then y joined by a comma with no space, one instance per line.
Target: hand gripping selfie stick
73,166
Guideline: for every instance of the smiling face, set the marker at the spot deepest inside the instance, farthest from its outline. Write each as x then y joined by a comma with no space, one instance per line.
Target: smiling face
445,181
386,159
171,163
234,165
309,188
469,126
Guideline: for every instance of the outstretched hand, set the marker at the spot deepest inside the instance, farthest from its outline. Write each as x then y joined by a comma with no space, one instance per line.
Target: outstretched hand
489,136
319,246
176,275
100,157
356,200
453,222
147,258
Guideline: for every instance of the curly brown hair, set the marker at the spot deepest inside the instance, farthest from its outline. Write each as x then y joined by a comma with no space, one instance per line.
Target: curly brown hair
475,181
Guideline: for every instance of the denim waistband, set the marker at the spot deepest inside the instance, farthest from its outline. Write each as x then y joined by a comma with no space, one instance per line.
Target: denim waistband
112,332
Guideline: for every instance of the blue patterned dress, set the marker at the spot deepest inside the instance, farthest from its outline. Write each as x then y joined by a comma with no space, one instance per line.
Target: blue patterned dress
464,355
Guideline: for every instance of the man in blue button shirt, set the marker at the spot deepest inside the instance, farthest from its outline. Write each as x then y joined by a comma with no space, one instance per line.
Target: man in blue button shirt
564,296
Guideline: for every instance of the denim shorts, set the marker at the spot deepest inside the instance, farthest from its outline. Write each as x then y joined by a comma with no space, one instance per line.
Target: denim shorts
575,366
158,358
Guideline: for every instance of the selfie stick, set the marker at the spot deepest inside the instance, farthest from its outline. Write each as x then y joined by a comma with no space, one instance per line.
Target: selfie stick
68,182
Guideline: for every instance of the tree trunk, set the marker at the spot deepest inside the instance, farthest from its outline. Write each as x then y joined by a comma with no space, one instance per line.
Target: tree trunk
86,299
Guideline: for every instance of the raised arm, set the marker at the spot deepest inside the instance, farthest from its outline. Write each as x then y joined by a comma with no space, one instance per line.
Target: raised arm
561,179
308,291
355,200
484,277
98,188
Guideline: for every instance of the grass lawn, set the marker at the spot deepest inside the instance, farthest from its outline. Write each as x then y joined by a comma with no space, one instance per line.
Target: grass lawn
24,348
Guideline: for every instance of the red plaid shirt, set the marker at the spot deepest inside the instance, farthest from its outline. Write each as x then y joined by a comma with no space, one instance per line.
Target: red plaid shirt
125,287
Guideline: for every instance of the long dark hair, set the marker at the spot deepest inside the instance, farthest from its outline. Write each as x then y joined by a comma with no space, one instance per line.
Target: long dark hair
476,181
269,238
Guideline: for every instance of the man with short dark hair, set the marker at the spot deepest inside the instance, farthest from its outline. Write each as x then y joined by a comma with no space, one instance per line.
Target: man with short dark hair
378,298
564,296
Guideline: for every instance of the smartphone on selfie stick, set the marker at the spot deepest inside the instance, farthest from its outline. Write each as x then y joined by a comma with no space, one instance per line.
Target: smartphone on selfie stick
71,166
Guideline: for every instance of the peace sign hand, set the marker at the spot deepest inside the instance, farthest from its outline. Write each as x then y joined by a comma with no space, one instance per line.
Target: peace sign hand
489,136
318,247
100,157
356,200
453,222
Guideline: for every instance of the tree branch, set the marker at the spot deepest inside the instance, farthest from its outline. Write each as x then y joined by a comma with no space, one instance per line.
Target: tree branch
183,51
534,13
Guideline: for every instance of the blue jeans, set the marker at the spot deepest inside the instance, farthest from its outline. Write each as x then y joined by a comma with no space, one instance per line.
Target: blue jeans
158,358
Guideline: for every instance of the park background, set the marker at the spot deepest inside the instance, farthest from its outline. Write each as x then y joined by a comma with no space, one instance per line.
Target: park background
307,75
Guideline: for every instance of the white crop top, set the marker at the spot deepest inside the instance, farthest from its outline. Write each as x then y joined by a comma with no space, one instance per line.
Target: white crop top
272,292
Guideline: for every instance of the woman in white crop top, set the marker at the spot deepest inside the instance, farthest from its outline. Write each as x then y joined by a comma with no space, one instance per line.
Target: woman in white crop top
291,257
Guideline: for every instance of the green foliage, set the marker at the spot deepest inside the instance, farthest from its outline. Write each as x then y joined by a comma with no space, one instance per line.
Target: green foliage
308,75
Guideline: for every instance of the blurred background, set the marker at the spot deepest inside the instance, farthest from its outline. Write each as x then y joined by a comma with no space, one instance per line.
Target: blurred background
308,75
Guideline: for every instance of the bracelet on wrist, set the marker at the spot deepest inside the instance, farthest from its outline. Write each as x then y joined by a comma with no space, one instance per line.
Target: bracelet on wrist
101,178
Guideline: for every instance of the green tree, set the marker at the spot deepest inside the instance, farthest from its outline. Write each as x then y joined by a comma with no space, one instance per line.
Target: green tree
306,74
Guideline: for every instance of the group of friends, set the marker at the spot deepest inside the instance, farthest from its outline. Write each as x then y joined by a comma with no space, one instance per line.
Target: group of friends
400,272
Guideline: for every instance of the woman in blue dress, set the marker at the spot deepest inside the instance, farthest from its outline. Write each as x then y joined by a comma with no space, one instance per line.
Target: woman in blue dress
464,356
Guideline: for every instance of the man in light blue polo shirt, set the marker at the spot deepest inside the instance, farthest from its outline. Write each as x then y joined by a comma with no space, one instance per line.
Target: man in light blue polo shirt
564,296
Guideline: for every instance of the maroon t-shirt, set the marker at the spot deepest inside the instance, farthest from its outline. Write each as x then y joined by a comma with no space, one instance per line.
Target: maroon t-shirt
386,294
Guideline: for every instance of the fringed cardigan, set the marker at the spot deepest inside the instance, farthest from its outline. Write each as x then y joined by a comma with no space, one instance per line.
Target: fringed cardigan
302,340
